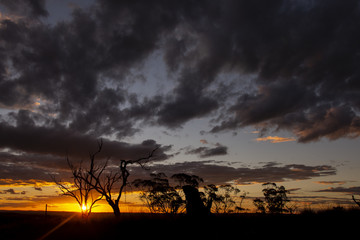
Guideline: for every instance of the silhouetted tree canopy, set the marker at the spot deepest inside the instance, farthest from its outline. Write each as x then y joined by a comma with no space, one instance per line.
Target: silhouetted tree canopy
223,198
275,199
158,195
185,179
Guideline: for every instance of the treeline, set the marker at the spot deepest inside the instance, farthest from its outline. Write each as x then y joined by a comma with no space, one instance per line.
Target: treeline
160,197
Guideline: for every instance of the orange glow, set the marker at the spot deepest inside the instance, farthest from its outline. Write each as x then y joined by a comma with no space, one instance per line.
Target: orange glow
35,196
275,139
83,207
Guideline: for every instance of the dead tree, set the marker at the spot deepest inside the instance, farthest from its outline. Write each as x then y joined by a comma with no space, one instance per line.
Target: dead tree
104,181
82,189
356,201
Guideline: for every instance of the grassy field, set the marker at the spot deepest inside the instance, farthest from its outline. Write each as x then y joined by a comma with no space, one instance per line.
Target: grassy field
62,225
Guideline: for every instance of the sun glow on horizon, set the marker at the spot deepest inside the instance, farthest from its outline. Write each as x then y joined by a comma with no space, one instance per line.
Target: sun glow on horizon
83,207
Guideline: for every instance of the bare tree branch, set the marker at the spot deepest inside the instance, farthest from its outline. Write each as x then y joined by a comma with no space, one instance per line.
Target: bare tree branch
82,189
105,184
356,201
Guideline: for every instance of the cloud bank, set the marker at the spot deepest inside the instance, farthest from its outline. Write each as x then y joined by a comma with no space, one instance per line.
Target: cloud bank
206,152
214,173
74,74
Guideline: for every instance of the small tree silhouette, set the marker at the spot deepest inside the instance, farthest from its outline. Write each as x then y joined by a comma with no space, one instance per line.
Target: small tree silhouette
158,195
104,182
275,199
194,199
223,198
82,189
99,179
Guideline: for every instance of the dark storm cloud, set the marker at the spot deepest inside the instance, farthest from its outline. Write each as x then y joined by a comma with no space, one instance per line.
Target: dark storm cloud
68,64
270,102
205,152
79,68
213,173
189,102
305,54
31,8
59,142
45,160
306,57
26,172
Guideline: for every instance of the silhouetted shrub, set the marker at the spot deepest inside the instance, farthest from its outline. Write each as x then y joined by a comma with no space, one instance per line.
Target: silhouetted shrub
275,199
223,198
158,195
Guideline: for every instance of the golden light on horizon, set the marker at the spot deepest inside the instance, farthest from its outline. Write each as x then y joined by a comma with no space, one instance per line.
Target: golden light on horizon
83,207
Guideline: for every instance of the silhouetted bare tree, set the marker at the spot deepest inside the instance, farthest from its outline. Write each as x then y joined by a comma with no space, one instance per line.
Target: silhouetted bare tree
98,179
104,182
82,189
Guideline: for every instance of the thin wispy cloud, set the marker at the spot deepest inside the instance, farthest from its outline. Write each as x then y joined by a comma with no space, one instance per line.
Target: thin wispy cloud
331,182
347,190
275,139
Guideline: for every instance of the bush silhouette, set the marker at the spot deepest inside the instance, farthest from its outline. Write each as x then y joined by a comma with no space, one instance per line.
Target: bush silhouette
158,195
222,198
275,199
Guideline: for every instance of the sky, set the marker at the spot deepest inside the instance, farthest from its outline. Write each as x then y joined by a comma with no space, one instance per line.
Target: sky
234,91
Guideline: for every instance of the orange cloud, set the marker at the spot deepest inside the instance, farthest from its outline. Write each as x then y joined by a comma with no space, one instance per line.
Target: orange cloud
275,139
330,182
18,182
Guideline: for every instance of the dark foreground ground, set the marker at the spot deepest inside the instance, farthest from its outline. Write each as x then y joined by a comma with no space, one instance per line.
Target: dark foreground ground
34,225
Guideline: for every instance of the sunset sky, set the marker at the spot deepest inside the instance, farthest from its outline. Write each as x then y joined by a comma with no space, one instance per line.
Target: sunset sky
234,91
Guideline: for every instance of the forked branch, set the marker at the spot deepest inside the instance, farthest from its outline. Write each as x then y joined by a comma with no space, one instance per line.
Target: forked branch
356,201
104,181
82,189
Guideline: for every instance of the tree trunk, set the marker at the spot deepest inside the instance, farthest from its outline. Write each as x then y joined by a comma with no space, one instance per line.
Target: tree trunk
115,208
194,204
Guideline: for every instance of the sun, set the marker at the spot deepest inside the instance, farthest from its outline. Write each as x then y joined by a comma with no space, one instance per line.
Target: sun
83,207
